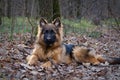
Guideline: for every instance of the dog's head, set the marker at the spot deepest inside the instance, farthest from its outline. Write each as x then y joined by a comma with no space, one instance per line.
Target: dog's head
50,34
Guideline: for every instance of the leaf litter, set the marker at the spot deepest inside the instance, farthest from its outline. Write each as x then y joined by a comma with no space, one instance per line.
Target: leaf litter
13,60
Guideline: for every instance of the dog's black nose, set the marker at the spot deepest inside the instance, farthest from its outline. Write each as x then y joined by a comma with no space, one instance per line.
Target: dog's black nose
48,38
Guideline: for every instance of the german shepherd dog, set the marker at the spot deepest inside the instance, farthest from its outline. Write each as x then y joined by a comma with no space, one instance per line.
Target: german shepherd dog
49,44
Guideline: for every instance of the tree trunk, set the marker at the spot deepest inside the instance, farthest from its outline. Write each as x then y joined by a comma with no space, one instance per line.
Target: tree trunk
9,8
78,10
0,21
56,9
46,9
0,12
12,16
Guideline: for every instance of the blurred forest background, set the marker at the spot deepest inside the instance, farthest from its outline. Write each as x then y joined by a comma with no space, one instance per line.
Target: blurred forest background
93,23
79,16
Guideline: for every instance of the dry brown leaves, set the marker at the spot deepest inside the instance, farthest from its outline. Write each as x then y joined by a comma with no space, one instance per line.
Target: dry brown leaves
13,60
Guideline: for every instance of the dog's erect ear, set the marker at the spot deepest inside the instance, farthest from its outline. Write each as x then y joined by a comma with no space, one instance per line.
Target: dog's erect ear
42,22
57,22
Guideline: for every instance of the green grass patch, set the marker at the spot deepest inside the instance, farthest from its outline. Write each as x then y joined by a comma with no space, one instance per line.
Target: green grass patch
111,22
83,23
21,25
17,25
82,26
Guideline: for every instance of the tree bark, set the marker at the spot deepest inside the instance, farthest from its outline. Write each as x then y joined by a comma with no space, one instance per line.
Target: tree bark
46,9
56,9
9,8
0,12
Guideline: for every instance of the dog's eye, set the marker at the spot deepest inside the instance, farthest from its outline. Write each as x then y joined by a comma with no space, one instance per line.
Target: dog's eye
51,31
46,31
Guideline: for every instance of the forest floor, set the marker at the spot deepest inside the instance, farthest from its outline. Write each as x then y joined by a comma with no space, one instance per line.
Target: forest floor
13,59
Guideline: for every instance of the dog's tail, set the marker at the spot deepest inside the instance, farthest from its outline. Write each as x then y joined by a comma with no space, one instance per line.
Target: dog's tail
110,60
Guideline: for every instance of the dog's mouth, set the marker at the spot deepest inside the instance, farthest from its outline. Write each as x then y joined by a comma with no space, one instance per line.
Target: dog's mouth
49,43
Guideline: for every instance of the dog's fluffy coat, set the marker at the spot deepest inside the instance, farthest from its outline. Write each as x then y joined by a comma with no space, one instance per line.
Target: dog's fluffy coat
56,50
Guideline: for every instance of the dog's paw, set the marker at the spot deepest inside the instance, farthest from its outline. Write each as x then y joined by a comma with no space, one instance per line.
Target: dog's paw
32,60
96,63
32,63
46,65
